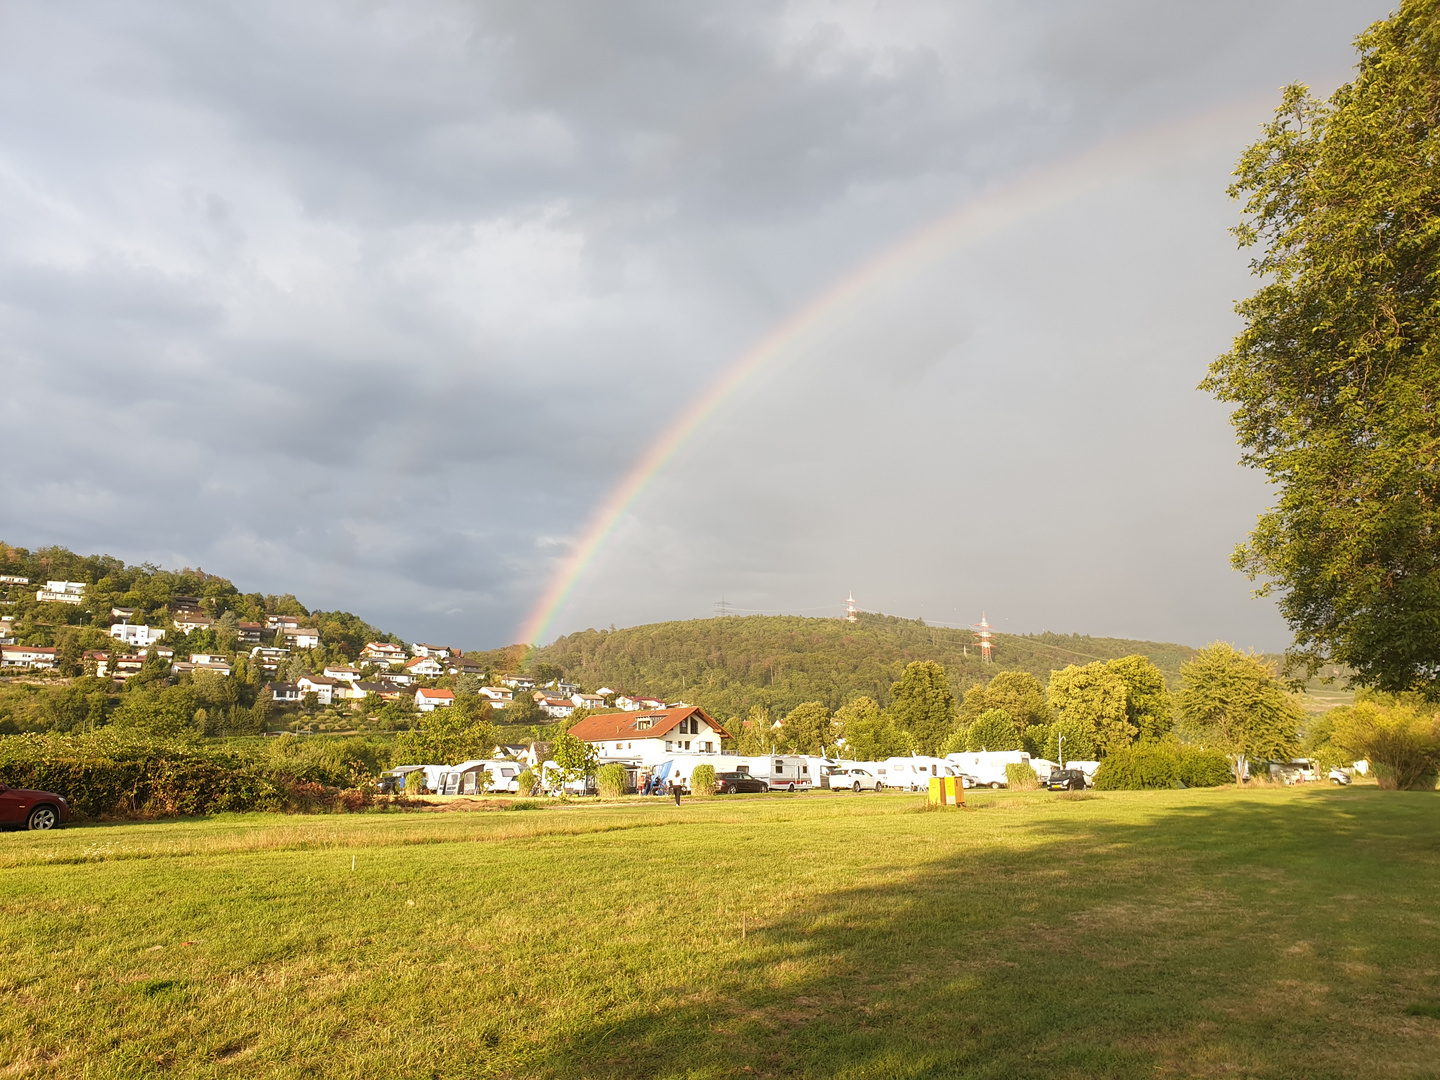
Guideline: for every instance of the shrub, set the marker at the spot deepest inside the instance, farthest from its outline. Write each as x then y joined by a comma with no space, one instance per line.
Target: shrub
525,782
702,780
1020,777
415,783
1401,743
610,780
1162,765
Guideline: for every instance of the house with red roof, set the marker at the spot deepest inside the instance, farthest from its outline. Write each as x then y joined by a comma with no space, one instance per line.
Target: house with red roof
430,700
652,736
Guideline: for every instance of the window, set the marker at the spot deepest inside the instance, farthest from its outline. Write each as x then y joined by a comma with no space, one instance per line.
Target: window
687,744
805,769
668,745
643,725
779,766
709,747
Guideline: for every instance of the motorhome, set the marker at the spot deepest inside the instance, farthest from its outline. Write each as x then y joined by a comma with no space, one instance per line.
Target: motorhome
988,766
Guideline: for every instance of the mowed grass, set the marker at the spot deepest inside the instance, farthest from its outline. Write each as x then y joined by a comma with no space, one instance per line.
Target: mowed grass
1284,933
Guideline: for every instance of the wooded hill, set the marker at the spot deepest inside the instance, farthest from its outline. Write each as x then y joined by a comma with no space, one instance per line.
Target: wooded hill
727,665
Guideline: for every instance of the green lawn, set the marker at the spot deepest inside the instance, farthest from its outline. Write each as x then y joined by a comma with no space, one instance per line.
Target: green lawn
1279,933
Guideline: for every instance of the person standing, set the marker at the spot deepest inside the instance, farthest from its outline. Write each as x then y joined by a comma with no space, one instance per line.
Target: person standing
675,787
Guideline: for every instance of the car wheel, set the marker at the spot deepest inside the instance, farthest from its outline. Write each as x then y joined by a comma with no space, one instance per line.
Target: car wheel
730,790
856,788
994,785
879,786
42,817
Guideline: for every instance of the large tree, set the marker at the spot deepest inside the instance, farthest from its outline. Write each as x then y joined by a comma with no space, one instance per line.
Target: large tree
1147,698
1231,702
1093,697
1336,375
922,705
1018,693
869,733
808,729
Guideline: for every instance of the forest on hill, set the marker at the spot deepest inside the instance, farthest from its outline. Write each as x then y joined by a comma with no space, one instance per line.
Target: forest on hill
728,665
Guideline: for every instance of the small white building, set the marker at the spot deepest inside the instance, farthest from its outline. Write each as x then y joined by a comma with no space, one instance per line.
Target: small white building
588,701
279,622
342,672
430,700
559,708
186,621
499,695
286,693
137,636
302,637
439,652
424,667
638,704
382,652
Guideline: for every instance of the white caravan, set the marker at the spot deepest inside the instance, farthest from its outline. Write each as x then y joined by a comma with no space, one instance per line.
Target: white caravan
988,766
912,773
783,772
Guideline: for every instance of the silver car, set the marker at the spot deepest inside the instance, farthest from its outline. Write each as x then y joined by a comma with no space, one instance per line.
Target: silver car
857,780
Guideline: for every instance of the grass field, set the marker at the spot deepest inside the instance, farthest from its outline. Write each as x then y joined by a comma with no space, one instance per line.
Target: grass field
1279,933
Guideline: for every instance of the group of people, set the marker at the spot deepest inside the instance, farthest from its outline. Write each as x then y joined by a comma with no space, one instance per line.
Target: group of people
659,785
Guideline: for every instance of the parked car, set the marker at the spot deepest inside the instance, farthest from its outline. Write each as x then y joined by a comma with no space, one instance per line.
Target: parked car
728,783
1066,780
967,780
26,809
1339,776
857,780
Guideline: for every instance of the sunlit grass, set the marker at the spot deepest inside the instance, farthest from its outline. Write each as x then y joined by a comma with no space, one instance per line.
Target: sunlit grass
1272,933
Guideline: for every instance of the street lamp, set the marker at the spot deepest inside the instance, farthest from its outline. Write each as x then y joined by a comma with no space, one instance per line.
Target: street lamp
1062,751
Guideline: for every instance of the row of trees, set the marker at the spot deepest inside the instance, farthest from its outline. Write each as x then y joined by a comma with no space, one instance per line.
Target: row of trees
1227,700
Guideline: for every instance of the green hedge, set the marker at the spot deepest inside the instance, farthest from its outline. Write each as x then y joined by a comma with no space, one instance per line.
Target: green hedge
109,773
1162,765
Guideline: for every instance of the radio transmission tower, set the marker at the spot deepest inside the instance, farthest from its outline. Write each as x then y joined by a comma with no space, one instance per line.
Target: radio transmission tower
851,615
982,631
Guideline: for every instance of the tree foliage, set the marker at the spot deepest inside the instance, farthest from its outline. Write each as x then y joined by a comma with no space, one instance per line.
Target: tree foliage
1148,708
993,730
808,729
462,732
869,732
1232,702
1401,742
1336,374
1094,698
922,705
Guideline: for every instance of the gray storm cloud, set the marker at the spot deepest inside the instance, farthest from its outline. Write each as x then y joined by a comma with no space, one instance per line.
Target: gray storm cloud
375,303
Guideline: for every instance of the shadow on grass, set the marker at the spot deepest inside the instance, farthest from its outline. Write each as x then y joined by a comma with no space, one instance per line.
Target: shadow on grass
1246,937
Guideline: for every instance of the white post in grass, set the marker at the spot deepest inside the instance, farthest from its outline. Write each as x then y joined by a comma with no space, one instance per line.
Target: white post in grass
1062,751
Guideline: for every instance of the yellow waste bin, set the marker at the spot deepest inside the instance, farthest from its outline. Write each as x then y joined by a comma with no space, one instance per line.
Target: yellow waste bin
947,790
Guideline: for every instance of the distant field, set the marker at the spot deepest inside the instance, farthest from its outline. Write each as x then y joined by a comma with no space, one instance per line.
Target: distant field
1278,933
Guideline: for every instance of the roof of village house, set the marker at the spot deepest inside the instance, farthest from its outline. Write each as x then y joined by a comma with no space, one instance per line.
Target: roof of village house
435,695
626,724
318,680
30,648
417,661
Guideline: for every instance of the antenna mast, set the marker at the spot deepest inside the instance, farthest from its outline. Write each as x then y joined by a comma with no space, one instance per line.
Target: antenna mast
850,613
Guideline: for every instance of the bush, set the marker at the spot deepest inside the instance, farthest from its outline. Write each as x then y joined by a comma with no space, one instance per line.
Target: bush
1162,765
1401,743
702,780
525,782
415,783
610,780
1021,777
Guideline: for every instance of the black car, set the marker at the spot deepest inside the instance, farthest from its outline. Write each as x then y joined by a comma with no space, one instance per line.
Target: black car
1066,780
728,783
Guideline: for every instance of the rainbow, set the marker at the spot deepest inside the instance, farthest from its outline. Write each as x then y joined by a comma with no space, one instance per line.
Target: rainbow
1041,190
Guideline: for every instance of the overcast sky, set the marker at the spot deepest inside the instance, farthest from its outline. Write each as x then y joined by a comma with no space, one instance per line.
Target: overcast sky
375,303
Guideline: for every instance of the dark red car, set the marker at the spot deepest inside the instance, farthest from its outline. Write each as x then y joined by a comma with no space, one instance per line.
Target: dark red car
26,809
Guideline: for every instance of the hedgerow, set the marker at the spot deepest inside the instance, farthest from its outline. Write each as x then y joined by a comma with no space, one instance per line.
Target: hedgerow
111,773
1162,765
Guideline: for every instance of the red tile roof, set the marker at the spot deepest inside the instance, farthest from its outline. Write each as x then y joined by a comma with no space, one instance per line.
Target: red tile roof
435,695
624,725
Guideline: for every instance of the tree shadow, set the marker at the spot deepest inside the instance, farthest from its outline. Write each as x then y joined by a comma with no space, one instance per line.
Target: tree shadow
1257,938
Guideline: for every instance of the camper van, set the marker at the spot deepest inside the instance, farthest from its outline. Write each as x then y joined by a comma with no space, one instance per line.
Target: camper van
988,766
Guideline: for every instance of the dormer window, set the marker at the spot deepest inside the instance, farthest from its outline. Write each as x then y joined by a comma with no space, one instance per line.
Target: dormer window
644,725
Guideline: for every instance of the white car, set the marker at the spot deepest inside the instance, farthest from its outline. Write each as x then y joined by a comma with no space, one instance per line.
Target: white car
857,780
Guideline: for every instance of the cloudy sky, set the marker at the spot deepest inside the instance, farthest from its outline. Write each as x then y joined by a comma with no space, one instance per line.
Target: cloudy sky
378,303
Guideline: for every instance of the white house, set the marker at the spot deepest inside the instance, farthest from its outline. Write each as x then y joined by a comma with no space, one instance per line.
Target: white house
630,704
498,695
588,701
439,652
185,621
136,636
301,637
650,737
559,708
518,682
425,667
27,656
343,672
286,692
279,622
62,592
12,579
319,685
430,700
